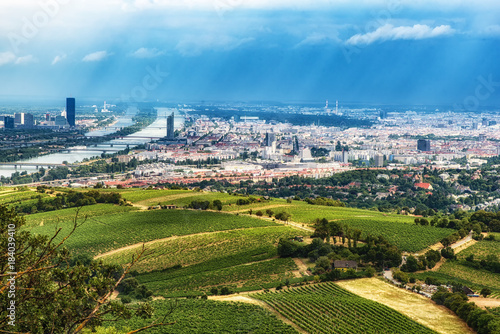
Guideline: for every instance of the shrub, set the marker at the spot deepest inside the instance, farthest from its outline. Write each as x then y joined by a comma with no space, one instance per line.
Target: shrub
125,299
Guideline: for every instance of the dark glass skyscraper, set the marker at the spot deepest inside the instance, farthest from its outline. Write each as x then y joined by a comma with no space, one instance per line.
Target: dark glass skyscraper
424,145
8,122
270,138
70,111
170,127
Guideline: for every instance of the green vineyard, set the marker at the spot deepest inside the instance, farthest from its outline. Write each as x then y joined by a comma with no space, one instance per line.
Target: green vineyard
328,308
207,316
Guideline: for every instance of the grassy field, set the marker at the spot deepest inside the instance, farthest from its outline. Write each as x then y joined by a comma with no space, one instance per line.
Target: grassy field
328,308
66,215
206,316
12,196
245,258
200,278
140,195
108,232
476,279
193,249
183,199
397,229
414,306
482,249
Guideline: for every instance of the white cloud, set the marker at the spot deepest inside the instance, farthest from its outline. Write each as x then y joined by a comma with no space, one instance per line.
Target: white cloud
11,58
58,58
96,56
7,57
147,53
26,60
194,45
318,39
389,32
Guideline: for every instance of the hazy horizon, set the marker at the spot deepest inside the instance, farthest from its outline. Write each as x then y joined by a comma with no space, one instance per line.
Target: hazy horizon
377,52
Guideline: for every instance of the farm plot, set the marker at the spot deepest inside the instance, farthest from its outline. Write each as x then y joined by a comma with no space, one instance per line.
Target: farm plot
201,277
18,197
239,258
206,316
474,278
256,243
416,307
66,215
328,308
104,233
399,230
183,200
150,194
307,213
482,249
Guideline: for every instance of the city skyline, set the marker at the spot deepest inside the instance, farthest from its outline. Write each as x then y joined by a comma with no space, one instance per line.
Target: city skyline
381,52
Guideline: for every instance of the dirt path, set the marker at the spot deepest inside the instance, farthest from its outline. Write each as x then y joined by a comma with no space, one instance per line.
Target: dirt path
140,206
262,208
289,223
5,192
302,271
244,298
457,247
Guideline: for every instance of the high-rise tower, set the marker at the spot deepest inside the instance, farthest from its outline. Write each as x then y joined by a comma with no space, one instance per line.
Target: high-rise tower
296,146
424,145
170,126
70,111
270,139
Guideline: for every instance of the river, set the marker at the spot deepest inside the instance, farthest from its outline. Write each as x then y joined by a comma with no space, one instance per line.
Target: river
156,129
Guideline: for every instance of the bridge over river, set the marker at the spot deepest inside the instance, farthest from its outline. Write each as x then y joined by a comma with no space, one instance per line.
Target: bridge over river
35,164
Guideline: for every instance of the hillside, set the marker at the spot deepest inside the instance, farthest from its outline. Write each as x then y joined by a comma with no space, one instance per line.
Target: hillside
221,250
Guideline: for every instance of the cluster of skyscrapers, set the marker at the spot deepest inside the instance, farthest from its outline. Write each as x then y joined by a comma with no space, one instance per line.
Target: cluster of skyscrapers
27,120
19,120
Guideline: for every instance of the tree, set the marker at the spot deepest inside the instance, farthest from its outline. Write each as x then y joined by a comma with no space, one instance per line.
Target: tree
356,234
323,262
284,216
49,294
217,204
370,271
411,264
287,248
485,292
433,257
448,253
321,228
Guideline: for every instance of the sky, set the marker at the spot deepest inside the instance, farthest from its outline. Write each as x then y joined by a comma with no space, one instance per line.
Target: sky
370,51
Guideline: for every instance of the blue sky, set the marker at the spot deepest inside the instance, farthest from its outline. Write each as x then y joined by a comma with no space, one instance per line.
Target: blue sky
394,51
